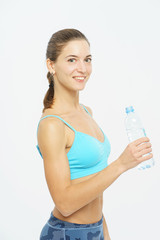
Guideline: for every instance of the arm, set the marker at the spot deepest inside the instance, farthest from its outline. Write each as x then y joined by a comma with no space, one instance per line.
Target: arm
75,195
69,197
105,230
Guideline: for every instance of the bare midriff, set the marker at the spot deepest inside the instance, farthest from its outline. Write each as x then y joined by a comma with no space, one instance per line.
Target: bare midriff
90,213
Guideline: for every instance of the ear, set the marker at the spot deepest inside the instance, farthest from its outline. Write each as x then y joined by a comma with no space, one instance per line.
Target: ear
50,66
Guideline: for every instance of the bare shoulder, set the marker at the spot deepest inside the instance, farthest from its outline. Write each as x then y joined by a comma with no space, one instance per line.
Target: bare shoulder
51,124
89,109
51,131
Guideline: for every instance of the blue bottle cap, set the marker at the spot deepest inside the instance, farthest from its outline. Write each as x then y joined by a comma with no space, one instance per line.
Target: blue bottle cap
129,109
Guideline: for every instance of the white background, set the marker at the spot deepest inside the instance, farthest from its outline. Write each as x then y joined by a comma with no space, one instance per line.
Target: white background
125,44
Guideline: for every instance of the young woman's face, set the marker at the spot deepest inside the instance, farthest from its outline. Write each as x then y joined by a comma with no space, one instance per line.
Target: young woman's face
73,62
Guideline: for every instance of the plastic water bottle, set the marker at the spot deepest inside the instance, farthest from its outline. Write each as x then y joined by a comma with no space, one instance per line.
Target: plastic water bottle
134,131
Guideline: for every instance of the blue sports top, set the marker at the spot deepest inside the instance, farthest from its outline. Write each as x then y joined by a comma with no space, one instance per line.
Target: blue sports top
87,154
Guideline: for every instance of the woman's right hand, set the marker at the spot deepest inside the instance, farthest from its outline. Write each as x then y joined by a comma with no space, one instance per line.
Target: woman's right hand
133,154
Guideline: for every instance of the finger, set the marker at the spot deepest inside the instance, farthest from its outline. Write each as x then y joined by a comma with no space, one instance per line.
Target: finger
143,146
141,140
144,151
147,157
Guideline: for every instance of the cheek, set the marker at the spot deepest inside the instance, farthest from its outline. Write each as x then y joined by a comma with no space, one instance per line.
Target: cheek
68,69
89,69
64,72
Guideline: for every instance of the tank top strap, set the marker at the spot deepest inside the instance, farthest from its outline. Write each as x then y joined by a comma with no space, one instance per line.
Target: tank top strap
86,109
59,118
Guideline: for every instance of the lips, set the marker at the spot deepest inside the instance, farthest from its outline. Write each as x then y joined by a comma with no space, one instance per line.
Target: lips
79,80
79,76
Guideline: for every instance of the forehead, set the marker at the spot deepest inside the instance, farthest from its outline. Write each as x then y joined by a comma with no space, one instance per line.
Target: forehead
76,47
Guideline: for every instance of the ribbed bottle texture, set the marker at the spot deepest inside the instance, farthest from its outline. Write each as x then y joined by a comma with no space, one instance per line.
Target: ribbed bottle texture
135,130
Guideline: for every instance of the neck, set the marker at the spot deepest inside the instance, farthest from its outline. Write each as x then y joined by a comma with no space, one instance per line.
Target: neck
66,100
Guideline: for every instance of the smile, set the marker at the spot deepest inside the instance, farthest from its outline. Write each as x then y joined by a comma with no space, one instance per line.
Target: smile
79,78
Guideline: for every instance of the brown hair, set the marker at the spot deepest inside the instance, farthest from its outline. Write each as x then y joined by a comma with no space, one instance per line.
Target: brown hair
55,46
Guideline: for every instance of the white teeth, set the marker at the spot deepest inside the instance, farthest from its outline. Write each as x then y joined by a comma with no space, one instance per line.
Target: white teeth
80,78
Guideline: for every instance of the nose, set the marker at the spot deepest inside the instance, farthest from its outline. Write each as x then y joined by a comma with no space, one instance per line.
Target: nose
81,66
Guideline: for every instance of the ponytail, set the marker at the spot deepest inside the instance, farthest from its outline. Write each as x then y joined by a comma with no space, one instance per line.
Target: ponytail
48,99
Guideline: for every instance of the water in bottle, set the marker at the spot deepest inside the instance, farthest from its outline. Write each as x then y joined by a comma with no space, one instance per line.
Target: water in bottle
135,130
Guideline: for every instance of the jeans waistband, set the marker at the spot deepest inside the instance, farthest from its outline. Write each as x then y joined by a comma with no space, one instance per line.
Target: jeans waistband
64,224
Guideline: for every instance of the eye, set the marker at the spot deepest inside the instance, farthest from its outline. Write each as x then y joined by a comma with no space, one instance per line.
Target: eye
70,60
90,59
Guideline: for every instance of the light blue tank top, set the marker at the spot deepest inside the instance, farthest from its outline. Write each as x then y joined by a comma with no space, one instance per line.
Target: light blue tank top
87,154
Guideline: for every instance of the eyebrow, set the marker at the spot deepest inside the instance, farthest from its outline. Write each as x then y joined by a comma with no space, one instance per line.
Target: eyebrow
77,56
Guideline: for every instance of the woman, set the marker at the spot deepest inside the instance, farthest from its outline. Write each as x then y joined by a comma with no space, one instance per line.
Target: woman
74,148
